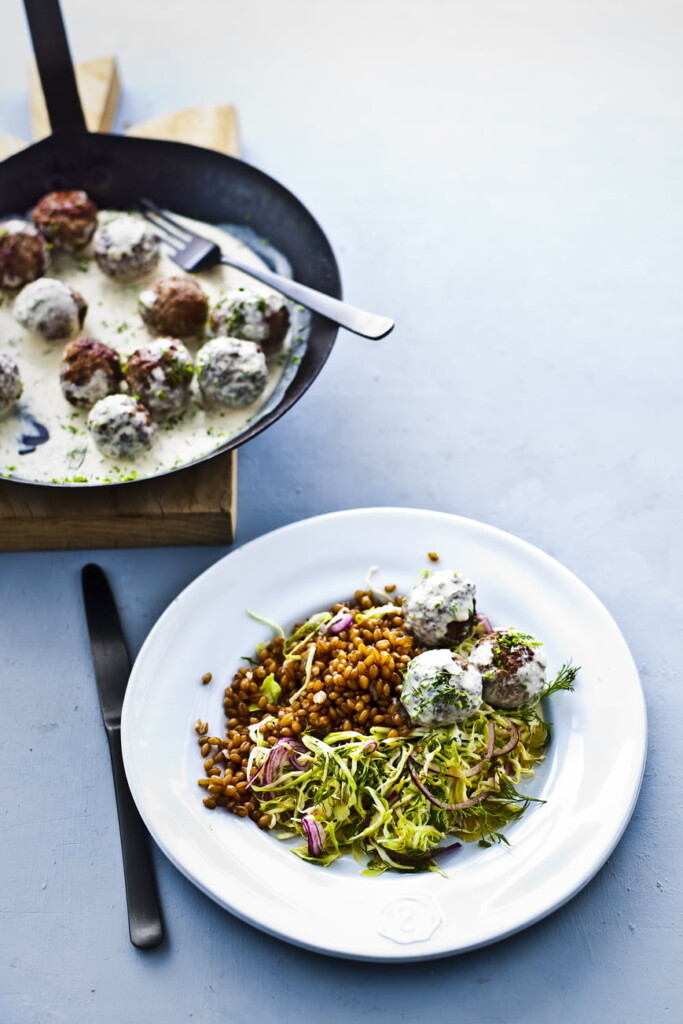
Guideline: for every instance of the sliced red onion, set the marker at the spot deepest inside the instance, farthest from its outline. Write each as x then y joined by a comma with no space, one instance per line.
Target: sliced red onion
276,758
315,835
441,851
296,747
284,750
491,740
484,624
477,798
491,751
512,742
341,621
257,774
421,860
370,746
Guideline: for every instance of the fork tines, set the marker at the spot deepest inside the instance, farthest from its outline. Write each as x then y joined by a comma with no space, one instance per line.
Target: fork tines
172,233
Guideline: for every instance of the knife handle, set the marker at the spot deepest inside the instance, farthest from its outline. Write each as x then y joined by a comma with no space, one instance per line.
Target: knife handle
144,915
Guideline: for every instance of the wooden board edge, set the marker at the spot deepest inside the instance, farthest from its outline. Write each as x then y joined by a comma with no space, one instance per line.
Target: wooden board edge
209,528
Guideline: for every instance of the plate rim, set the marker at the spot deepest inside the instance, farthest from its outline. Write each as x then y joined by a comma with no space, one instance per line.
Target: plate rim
402,954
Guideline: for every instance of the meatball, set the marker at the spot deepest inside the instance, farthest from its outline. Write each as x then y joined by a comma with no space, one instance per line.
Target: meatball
10,383
440,688
51,308
121,427
231,372
67,219
89,371
160,374
176,306
252,317
126,248
512,668
441,609
23,254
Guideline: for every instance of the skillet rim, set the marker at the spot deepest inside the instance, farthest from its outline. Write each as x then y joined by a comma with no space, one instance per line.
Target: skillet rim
322,334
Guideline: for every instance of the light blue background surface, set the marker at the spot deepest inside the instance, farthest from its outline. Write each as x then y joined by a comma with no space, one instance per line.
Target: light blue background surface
505,179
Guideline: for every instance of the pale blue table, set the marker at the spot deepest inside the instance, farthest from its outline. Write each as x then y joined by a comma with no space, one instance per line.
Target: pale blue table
505,179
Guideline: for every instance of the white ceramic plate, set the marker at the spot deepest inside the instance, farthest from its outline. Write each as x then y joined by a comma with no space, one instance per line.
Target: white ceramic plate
590,778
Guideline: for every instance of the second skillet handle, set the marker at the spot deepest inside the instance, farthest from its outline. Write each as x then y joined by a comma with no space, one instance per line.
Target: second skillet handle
55,66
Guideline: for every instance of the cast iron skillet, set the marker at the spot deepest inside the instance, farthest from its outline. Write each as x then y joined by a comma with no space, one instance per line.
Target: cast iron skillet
200,183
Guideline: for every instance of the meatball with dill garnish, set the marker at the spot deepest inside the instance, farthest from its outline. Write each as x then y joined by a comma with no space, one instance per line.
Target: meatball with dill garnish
441,609
440,688
121,427
252,317
231,372
51,308
512,668
23,254
10,383
126,248
160,374
66,218
175,306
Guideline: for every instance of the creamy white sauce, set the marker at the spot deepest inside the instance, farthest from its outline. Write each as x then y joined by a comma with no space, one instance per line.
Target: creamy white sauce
440,690
434,602
253,324
70,455
530,676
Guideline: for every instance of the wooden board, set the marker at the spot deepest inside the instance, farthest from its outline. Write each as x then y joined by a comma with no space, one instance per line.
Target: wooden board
192,506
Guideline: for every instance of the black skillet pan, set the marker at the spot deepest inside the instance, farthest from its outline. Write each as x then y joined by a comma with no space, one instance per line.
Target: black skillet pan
199,183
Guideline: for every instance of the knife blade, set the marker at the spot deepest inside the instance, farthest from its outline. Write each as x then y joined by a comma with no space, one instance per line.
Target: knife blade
112,668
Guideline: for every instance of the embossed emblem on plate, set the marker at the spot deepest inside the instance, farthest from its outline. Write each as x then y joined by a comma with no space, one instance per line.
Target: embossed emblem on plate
410,919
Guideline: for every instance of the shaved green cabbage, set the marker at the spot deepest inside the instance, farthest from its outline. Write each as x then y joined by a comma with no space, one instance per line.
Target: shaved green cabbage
360,789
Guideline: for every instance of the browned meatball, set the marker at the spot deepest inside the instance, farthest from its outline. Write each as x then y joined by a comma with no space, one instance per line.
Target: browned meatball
160,374
23,254
176,306
67,219
89,371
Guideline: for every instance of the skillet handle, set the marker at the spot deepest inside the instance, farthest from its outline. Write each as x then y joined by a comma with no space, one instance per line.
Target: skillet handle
55,67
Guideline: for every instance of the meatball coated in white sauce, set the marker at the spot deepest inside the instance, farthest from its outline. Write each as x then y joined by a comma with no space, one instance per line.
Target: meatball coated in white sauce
126,248
23,254
441,609
160,374
121,427
10,383
231,372
252,317
51,308
440,688
89,371
512,668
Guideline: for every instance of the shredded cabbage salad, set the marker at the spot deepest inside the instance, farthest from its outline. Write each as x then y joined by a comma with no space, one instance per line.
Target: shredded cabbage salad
396,802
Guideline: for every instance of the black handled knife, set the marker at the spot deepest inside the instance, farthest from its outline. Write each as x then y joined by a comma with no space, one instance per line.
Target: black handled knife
112,668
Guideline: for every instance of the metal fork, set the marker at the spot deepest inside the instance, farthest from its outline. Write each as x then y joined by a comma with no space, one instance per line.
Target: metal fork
194,253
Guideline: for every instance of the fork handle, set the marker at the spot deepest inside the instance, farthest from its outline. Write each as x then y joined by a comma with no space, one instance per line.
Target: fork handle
368,325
